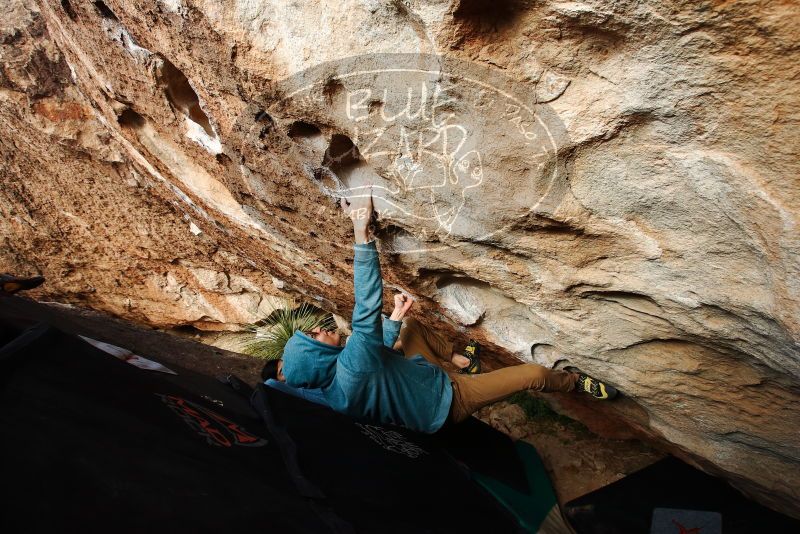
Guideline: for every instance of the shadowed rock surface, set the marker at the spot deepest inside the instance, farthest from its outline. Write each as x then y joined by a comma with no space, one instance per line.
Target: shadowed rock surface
620,195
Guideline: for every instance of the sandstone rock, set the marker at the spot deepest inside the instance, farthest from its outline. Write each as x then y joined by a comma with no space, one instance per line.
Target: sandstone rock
605,184
464,305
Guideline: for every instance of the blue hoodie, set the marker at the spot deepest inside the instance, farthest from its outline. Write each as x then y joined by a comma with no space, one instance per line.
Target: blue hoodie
365,378
391,329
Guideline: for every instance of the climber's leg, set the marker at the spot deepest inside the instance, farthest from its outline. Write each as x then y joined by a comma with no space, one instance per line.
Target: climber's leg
473,392
416,338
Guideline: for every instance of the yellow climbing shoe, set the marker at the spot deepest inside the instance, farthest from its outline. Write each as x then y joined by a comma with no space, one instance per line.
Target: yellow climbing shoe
473,354
595,388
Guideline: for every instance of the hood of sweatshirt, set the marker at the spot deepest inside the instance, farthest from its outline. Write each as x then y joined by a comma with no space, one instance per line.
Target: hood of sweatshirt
308,363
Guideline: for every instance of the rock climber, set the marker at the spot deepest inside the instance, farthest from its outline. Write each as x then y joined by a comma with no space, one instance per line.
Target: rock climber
397,376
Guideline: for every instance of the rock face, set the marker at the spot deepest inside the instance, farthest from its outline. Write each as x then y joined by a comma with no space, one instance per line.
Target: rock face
610,184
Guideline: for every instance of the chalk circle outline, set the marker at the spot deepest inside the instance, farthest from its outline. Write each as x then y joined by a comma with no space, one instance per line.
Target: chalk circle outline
279,99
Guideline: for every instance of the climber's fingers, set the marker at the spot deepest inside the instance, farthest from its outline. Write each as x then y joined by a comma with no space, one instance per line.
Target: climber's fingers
359,206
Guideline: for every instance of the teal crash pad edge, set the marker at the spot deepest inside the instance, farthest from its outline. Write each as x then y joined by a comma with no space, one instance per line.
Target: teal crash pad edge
530,509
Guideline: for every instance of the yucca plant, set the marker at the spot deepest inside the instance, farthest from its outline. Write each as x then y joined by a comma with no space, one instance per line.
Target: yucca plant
272,333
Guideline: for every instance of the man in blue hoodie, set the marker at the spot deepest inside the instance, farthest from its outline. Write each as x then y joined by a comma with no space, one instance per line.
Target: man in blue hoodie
368,379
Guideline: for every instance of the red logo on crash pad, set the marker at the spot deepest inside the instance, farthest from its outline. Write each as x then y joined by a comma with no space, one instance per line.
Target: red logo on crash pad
218,431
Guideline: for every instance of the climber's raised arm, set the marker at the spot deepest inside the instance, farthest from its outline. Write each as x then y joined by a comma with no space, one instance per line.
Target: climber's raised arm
392,324
368,286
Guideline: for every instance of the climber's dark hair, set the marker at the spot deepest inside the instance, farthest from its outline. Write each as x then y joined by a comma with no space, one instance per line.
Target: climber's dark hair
270,370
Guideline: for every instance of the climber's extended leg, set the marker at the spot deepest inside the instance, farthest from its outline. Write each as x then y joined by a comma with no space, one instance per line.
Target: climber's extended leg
473,392
416,338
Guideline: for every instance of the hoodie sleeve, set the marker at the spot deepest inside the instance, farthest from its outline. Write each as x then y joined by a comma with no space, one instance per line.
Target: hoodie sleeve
368,288
391,329
364,351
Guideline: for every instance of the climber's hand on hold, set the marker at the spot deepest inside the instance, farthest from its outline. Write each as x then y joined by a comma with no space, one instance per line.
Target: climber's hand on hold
402,303
359,208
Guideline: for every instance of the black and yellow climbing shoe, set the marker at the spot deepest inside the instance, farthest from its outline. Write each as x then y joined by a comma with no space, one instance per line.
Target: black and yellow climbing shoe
597,389
473,354
10,284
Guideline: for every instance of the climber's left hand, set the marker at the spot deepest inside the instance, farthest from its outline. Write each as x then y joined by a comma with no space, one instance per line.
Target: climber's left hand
402,303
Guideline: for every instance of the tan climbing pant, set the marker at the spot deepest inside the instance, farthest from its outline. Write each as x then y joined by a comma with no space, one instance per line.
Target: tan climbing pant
473,392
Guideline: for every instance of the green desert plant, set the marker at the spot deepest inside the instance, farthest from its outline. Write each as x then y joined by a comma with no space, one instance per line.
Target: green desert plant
537,408
272,333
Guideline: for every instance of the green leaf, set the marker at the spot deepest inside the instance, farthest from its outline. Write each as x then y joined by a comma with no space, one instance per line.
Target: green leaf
280,326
